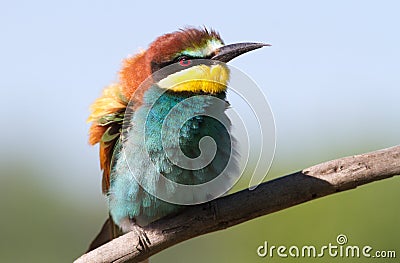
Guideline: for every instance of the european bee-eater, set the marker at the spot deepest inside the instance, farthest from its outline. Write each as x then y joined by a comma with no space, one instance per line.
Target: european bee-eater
145,110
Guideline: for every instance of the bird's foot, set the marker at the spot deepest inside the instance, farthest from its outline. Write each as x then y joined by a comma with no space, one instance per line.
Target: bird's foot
143,239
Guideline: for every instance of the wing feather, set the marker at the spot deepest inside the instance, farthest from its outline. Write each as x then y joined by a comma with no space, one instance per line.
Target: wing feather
107,114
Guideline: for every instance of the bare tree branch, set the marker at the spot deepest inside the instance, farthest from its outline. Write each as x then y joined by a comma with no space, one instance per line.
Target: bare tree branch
275,195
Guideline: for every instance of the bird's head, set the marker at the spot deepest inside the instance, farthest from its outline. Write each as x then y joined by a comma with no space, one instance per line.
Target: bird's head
187,49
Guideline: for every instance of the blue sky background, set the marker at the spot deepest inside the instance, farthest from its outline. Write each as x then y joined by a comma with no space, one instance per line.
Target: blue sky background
331,77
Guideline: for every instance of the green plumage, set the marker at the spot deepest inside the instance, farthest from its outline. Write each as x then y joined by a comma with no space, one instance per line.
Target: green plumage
140,156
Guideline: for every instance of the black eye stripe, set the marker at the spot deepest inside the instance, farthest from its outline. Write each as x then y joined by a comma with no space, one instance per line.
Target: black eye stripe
155,66
181,58
188,57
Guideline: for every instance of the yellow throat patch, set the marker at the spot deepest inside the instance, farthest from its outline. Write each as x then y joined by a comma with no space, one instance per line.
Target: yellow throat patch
210,79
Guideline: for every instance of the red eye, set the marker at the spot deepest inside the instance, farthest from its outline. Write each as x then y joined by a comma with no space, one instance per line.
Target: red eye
184,61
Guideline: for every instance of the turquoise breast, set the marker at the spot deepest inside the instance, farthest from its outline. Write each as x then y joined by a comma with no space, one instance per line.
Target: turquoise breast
166,125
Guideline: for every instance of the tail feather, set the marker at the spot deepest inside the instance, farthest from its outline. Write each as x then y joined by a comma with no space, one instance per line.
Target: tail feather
108,232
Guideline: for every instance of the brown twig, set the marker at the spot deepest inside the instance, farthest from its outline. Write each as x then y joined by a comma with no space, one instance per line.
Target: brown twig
275,195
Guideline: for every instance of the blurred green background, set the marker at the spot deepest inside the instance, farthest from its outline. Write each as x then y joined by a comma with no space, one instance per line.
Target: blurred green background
331,78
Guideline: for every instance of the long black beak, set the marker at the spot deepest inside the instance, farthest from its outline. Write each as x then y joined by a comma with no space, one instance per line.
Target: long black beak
229,52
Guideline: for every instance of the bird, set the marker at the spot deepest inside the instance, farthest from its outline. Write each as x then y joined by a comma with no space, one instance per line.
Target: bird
181,77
